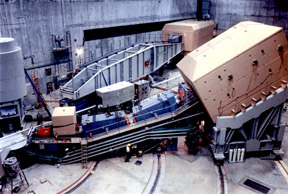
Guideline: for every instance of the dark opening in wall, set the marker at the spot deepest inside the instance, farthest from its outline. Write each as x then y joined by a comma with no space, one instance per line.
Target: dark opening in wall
48,71
102,33
61,55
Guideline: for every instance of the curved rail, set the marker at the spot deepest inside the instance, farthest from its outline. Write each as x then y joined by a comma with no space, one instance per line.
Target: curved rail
283,168
223,179
155,176
80,180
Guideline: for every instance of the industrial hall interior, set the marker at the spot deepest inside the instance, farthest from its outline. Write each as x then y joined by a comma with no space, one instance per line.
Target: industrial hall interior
144,96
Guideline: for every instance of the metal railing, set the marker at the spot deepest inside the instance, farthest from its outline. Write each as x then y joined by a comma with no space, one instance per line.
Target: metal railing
127,65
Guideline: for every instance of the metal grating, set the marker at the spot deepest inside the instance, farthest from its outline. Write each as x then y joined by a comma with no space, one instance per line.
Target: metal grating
256,186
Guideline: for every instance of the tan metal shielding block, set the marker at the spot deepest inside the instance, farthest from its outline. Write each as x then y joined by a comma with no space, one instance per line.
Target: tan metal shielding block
239,65
64,120
194,33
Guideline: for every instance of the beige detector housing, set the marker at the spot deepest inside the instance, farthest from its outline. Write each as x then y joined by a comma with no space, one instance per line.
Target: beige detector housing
237,68
194,33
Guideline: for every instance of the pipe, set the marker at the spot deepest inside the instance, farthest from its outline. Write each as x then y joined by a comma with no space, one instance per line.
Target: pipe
199,10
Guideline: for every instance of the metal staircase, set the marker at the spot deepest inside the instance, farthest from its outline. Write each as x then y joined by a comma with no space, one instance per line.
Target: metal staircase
128,64
84,156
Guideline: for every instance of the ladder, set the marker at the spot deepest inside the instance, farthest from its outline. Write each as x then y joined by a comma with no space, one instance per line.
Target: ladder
84,157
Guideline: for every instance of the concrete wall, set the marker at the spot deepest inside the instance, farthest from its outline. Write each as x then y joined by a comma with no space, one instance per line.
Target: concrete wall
227,13
33,22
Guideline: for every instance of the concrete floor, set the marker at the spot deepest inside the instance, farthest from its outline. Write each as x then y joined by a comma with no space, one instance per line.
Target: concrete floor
183,173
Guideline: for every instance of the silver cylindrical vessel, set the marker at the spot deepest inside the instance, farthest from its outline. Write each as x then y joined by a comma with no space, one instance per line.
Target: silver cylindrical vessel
12,77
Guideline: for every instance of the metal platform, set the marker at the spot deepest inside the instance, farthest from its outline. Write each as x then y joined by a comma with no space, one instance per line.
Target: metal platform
111,142
127,65
152,128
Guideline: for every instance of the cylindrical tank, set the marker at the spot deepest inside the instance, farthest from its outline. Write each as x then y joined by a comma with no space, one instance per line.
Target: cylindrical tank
12,77
11,167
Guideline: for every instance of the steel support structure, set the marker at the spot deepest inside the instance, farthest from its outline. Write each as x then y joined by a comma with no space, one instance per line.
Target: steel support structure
256,129
129,64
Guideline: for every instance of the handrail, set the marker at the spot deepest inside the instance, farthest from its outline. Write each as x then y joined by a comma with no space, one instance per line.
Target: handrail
109,66
168,80
100,70
69,87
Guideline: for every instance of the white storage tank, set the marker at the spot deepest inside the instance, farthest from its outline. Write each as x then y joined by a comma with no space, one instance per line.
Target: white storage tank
12,77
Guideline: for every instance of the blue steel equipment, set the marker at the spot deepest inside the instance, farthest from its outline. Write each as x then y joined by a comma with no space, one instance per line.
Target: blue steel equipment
154,107
165,115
